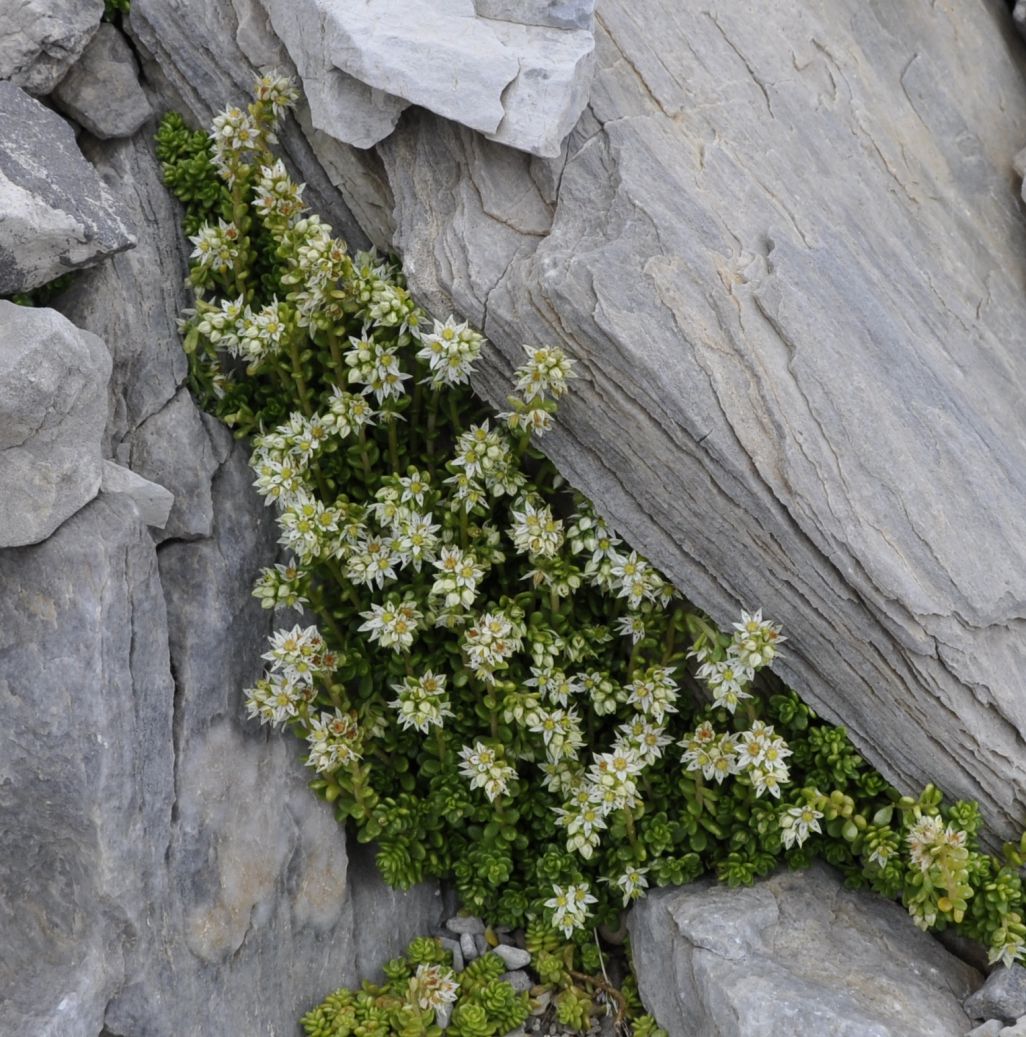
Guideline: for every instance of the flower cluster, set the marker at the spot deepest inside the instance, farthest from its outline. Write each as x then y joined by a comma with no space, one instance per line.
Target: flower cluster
524,671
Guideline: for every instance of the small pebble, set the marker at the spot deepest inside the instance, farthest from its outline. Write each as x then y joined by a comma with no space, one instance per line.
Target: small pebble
468,947
461,924
519,980
482,945
453,947
1002,996
514,957
443,1013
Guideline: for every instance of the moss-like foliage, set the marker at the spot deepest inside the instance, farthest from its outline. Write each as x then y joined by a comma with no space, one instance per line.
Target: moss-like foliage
44,294
497,689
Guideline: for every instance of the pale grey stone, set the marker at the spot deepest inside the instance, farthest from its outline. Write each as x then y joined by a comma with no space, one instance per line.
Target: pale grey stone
556,14
53,406
796,954
55,213
514,957
795,285
991,1028
152,501
461,924
149,364
453,947
519,980
1002,996
178,447
41,39
102,91
85,766
1019,16
1017,1029
443,1016
542,105
469,947
522,82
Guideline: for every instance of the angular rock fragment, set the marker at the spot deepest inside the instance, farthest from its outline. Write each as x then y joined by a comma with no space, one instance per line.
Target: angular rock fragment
796,954
53,407
41,39
55,213
102,92
151,500
1002,996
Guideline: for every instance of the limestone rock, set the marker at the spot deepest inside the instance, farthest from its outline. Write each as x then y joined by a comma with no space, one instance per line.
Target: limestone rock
790,270
149,364
180,448
152,501
42,39
796,954
102,91
556,14
85,766
1002,996
53,405
55,213
522,82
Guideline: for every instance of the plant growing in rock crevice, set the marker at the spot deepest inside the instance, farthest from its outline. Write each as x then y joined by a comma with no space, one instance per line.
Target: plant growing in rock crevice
489,682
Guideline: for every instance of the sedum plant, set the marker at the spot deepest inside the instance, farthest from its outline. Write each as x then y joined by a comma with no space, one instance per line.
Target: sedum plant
487,682
421,989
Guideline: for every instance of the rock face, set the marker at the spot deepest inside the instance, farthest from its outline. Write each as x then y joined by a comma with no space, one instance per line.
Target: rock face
53,406
795,954
102,91
42,39
788,255
57,215
521,81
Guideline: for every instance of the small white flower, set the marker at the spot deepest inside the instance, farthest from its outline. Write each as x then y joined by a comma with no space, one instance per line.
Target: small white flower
569,906
392,625
484,768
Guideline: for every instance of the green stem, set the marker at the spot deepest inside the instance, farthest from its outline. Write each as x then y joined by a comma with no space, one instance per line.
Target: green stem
432,422
364,456
393,442
297,374
336,356
632,835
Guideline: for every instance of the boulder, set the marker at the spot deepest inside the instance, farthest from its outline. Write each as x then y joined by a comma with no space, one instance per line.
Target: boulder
56,213
796,954
53,406
102,92
787,253
85,766
42,39
362,64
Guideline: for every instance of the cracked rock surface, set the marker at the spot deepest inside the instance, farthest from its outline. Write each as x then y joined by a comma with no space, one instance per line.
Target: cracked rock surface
788,254
521,79
796,954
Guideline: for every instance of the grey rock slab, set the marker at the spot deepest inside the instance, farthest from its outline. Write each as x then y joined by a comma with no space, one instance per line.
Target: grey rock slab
55,213
42,39
152,501
53,406
1002,996
149,364
523,82
179,448
85,766
796,954
102,92
555,14
788,257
